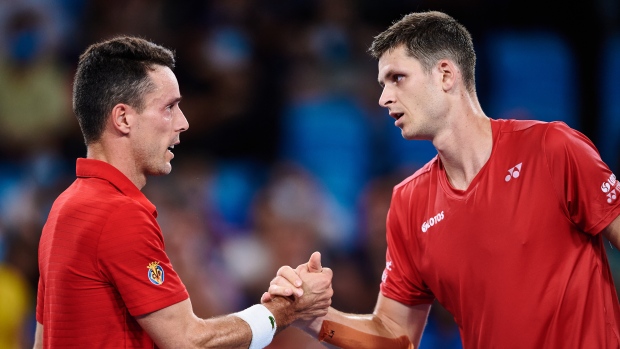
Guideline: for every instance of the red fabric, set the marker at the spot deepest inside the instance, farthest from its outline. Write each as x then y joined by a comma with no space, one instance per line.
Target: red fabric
95,249
516,258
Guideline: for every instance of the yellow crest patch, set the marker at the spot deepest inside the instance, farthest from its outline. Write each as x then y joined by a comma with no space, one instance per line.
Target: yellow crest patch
156,273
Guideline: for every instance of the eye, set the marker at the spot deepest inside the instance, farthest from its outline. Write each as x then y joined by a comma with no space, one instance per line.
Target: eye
171,106
397,78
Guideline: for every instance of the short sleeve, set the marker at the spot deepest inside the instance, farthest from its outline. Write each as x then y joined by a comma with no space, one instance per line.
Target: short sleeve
131,256
585,185
401,280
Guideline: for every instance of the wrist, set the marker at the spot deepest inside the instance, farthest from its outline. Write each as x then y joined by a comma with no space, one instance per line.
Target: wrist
262,323
282,310
311,327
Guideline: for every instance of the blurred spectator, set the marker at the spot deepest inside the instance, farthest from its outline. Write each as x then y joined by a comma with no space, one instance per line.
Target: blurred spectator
189,243
34,89
16,292
286,216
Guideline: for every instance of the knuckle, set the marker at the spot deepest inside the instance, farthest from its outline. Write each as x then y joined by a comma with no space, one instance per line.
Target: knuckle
282,270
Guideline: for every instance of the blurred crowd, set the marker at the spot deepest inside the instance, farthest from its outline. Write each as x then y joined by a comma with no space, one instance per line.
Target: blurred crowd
288,151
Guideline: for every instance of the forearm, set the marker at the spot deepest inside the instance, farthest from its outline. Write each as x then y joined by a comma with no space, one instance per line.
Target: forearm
358,331
244,328
177,327
222,332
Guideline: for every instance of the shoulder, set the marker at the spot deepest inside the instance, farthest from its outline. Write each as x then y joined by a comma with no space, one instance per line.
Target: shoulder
419,177
539,135
103,202
517,126
559,133
129,227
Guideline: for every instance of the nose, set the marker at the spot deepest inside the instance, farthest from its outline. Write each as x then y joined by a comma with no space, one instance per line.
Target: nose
182,122
386,97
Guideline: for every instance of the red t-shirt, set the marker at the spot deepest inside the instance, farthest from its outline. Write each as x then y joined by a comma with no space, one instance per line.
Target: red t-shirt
101,263
517,258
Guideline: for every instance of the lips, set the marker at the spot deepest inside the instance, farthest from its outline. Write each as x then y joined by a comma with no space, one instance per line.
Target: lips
173,144
171,147
396,115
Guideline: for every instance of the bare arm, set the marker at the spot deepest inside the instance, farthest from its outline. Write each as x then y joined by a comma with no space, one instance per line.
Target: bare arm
392,324
612,232
38,337
176,326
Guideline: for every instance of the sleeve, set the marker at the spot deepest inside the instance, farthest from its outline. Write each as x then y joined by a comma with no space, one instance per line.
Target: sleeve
131,256
401,280
40,301
585,185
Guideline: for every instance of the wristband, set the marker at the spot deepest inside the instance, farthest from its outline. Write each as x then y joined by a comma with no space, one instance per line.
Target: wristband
262,322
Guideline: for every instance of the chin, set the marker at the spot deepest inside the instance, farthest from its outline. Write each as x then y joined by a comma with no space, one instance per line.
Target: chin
161,171
167,169
408,135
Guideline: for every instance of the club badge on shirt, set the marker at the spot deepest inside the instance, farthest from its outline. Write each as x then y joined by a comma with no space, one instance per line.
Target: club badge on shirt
156,273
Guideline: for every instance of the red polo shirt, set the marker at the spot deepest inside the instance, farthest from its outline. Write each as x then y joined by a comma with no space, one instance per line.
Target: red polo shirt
517,258
101,263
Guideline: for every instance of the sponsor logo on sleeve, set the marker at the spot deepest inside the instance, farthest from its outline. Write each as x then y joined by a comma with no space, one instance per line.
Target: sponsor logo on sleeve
156,273
611,188
388,267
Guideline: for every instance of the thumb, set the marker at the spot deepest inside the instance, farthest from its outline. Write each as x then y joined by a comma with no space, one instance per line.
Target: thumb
314,265
266,297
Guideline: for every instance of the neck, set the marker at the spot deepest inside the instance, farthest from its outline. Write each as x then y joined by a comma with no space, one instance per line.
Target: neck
464,146
117,158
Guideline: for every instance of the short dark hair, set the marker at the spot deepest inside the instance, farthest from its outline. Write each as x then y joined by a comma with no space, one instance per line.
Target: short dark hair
429,37
111,72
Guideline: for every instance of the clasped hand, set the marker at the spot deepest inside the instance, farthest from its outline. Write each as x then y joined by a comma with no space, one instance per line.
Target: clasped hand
310,285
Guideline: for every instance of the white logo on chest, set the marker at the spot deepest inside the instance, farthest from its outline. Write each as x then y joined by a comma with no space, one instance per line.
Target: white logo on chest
432,221
514,172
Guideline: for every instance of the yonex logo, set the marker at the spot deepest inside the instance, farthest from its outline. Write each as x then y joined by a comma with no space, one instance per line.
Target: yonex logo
611,187
432,221
514,172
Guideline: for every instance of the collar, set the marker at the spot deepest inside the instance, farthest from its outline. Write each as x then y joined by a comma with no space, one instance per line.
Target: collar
91,168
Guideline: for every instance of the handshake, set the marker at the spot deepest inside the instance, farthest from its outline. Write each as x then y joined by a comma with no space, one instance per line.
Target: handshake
308,289
303,298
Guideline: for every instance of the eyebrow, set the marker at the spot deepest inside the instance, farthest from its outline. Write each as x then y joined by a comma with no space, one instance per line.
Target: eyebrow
388,76
175,100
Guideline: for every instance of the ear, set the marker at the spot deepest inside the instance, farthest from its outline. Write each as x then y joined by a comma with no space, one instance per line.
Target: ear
122,117
449,74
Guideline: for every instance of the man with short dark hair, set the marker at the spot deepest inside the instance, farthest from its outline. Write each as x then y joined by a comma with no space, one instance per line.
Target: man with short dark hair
105,279
504,227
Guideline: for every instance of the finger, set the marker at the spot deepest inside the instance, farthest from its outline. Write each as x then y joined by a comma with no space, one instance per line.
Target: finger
314,265
290,276
285,291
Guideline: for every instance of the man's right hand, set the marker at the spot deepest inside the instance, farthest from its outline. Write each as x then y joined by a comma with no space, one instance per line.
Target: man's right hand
310,285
